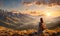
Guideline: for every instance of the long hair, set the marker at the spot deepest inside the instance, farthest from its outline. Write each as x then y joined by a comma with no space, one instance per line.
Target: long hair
41,20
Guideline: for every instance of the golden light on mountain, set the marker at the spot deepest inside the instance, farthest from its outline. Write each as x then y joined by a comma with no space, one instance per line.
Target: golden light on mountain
48,14
51,14
45,13
33,13
56,14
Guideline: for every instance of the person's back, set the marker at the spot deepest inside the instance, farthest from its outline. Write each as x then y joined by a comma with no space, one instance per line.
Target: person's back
41,27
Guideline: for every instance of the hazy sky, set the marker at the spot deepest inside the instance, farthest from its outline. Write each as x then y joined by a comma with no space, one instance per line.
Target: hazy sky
31,5
10,4
20,4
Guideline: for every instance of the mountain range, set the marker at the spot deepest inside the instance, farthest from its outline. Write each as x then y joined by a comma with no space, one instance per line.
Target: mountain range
15,20
21,21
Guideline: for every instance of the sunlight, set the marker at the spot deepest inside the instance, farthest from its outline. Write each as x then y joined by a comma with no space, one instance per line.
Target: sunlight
48,14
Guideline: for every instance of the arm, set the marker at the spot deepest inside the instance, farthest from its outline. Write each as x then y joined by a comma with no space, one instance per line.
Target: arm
42,24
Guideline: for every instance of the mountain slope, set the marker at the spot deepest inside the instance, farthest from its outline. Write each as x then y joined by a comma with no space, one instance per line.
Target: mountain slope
14,20
54,23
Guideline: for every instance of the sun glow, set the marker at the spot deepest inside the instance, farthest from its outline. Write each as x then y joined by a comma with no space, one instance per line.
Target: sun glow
48,14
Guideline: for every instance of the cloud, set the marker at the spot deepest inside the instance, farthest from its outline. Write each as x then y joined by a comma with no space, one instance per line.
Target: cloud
55,1
27,3
37,3
44,2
